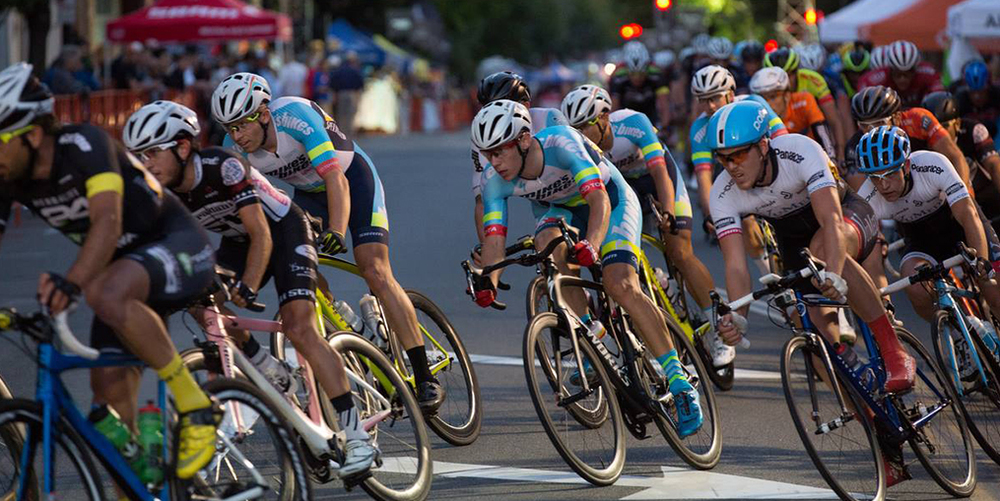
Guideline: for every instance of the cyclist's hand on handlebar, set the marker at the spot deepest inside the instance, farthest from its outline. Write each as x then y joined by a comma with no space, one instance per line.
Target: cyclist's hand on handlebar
241,294
477,255
483,293
584,254
332,243
668,223
831,285
56,293
731,328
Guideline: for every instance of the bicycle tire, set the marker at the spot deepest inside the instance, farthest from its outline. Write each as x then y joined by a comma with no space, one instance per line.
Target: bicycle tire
457,424
808,430
932,459
289,476
27,415
611,467
980,402
536,295
404,408
722,377
709,448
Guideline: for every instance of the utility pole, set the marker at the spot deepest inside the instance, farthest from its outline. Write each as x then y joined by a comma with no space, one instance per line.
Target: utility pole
796,22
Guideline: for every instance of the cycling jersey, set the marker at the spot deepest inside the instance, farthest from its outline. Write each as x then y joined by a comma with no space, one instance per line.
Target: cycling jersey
643,97
925,80
989,114
540,119
924,210
222,186
574,167
813,83
976,144
803,116
701,151
920,125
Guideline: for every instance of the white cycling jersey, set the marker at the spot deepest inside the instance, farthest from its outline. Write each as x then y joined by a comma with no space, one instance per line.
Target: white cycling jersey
935,181
802,168
540,119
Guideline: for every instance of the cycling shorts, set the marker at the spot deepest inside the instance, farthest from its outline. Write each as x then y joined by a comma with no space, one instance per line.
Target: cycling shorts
935,238
796,231
644,185
621,243
293,257
180,267
368,220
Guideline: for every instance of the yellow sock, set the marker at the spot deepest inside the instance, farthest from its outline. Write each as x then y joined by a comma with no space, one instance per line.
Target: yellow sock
187,394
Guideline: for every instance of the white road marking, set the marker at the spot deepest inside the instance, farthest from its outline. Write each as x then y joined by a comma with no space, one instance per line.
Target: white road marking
741,374
676,483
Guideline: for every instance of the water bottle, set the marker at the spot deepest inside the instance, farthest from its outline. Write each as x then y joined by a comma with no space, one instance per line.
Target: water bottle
849,357
107,423
670,287
372,315
352,319
151,440
985,332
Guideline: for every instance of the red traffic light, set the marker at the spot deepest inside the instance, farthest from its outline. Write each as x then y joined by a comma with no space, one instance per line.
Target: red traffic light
771,45
810,16
663,4
630,31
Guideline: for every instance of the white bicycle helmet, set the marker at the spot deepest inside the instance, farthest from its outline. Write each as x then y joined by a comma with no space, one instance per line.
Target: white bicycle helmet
878,57
498,123
700,43
664,58
812,56
712,79
902,55
239,95
769,80
157,123
585,103
21,100
636,55
720,48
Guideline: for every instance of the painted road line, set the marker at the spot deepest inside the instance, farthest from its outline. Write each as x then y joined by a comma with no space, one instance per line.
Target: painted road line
741,374
675,483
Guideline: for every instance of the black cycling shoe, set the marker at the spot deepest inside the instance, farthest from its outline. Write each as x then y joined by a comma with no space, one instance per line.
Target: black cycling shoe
430,396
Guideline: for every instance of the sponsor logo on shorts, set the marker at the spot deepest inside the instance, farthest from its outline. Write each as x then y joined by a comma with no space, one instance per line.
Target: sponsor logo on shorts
307,251
297,294
302,271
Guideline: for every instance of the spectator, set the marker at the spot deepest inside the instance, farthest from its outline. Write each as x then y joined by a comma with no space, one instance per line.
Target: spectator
60,76
347,82
127,71
293,77
181,74
320,83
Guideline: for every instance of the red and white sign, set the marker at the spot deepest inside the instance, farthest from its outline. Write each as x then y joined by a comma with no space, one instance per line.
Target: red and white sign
199,20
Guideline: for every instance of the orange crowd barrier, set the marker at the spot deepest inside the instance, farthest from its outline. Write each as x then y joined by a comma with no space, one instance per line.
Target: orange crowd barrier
109,109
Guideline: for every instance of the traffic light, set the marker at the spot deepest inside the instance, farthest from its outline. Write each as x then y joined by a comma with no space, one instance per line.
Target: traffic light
630,31
663,4
810,16
771,45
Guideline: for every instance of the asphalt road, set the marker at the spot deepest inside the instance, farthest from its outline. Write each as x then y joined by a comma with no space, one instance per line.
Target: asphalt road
426,180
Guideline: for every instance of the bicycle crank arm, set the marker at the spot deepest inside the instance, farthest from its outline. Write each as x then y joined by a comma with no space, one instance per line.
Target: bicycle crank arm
927,415
572,399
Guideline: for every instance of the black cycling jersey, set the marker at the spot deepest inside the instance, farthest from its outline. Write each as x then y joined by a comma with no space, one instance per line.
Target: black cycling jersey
976,144
643,97
988,115
224,184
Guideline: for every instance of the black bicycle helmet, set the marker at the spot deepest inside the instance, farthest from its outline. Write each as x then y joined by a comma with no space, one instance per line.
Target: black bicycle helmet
752,51
502,85
874,103
942,104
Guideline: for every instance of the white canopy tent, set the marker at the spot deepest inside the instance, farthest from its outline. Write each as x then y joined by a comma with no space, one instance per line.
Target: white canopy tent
974,19
842,26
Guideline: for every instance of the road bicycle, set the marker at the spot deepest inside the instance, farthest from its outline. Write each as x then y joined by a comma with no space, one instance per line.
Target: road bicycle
847,427
586,421
58,440
388,409
959,333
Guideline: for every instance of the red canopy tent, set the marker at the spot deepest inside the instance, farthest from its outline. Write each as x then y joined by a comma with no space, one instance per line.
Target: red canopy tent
200,21
922,23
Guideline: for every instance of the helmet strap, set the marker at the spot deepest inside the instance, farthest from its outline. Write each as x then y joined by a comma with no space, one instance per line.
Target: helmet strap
765,163
265,129
603,131
524,156
182,162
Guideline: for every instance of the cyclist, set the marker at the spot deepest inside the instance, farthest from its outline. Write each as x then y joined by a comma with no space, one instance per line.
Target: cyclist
855,62
922,192
640,86
566,177
978,98
803,80
821,214
974,140
629,140
751,59
263,234
720,51
798,110
875,106
904,73
294,140
713,87
140,250
505,85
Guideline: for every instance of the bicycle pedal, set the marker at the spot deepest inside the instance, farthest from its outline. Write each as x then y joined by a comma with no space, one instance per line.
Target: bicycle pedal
356,480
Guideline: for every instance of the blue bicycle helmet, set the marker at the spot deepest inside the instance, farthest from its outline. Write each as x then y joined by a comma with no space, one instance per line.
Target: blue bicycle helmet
884,148
737,124
976,75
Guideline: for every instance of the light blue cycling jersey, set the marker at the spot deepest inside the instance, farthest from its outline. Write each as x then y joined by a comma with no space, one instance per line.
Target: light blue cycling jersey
540,119
574,167
309,143
701,151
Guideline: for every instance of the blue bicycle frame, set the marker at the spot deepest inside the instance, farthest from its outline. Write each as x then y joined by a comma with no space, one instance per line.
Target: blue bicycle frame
947,302
56,401
886,414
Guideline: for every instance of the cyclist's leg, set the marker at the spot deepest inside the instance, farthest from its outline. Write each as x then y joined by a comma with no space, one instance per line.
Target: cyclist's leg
920,297
116,386
698,279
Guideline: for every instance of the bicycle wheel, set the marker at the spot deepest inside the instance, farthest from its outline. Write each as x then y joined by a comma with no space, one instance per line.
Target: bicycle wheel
74,474
460,417
404,470
943,443
981,401
722,377
844,448
597,454
537,297
256,429
703,449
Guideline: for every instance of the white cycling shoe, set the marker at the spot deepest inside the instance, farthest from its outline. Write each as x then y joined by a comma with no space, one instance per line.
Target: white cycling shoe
358,458
722,353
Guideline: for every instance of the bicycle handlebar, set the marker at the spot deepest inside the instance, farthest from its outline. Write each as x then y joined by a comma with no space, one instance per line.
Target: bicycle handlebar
47,328
923,274
224,279
68,341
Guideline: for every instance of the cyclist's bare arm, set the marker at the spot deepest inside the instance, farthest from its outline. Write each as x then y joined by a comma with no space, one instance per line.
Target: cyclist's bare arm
992,165
664,187
826,206
259,252
338,199
597,222
738,282
965,213
479,219
99,246
947,147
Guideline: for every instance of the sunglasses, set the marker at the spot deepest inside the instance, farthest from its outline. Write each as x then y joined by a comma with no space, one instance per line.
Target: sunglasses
147,154
881,177
492,153
875,123
6,137
736,157
246,121
770,96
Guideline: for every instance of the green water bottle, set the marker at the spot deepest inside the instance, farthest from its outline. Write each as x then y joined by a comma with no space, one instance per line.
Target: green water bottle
107,422
151,441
